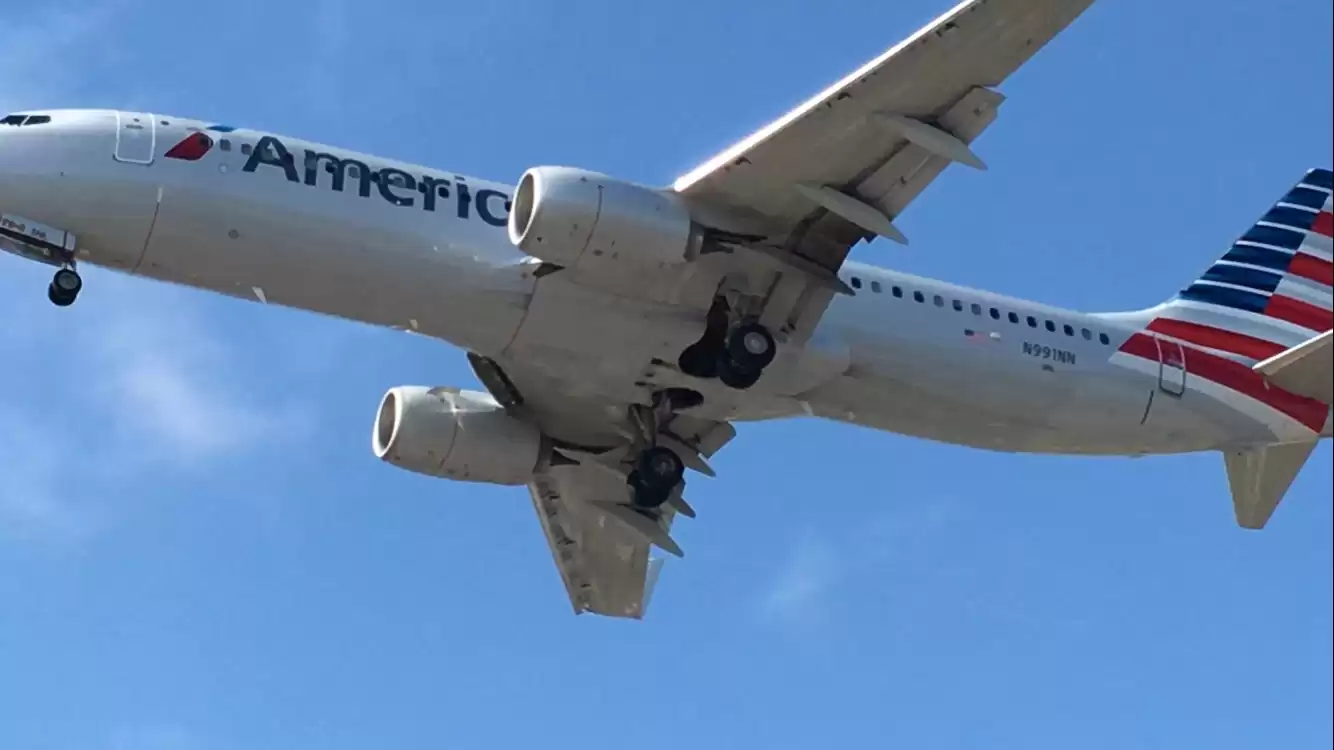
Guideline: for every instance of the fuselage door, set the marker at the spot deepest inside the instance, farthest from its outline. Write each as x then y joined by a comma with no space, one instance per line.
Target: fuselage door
136,137
1171,367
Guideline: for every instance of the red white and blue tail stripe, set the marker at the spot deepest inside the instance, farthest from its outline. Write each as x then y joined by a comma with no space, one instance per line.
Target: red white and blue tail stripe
1272,290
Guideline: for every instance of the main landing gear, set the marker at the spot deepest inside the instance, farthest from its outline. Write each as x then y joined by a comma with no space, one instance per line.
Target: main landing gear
64,287
658,472
655,476
735,354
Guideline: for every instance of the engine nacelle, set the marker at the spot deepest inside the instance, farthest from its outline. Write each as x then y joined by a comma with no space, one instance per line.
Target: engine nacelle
455,434
581,219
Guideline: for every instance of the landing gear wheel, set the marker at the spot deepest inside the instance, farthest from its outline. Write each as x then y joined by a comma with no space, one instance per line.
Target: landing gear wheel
657,472
751,346
64,287
734,375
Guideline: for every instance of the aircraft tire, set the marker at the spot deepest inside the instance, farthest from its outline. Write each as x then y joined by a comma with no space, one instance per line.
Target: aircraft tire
751,346
68,281
59,297
736,376
646,497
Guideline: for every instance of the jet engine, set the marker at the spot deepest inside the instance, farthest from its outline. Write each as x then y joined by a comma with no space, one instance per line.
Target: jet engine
455,434
579,219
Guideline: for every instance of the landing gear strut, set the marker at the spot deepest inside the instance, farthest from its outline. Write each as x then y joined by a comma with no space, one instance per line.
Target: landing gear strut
64,287
658,470
735,354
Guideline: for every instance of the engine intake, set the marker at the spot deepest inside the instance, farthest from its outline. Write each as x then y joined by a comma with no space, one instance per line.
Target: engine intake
580,219
455,434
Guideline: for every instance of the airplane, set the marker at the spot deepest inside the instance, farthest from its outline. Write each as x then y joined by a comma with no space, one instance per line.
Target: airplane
619,331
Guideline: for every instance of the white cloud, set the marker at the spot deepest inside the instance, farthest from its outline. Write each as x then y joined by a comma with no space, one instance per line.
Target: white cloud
170,387
145,389
797,596
31,504
804,590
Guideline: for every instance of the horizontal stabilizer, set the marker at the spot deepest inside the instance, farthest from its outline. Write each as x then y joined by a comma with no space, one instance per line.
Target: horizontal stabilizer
1259,478
1306,369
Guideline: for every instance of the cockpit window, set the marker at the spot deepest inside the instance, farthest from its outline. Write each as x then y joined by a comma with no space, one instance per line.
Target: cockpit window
17,120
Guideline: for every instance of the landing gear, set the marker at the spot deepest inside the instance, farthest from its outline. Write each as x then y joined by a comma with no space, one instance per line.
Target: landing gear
64,287
748,350
656,474
655,471
751,346
735,354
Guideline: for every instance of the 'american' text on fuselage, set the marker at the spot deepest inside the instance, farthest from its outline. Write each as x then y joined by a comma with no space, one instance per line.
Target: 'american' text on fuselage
393,185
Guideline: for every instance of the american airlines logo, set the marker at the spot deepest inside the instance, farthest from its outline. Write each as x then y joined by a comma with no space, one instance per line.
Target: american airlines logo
394,186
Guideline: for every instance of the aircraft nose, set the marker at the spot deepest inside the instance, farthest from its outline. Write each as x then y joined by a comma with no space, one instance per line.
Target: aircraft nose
24,138
57,169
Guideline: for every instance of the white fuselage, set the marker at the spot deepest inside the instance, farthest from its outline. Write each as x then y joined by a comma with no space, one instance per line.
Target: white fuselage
427,251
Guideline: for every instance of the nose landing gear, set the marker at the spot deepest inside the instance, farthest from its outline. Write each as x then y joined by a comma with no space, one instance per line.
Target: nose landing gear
64,287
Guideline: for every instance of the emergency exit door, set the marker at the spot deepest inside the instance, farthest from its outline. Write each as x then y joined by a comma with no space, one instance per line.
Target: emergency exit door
136,137
1171,367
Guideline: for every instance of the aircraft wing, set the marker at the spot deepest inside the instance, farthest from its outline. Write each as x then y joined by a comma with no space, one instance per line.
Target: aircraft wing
840,167
601,544
605,565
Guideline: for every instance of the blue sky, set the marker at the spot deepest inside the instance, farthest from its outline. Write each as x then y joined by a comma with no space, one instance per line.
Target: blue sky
198,551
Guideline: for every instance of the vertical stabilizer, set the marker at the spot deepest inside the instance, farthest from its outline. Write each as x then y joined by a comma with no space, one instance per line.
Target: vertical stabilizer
1272,289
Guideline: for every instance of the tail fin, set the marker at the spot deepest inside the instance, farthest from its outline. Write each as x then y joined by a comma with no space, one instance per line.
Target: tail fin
1272,290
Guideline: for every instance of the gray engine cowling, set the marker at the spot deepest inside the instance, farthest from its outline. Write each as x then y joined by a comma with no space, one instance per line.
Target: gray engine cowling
581,219
454,434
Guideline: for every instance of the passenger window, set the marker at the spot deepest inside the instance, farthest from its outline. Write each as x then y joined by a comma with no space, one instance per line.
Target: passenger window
939,300
898,291
1014,317
976,308
1069,330
856,282
995,314
1051,326
245,149
1032,322
1103,338
958,306
875,285
225,144
919,296
1086,333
